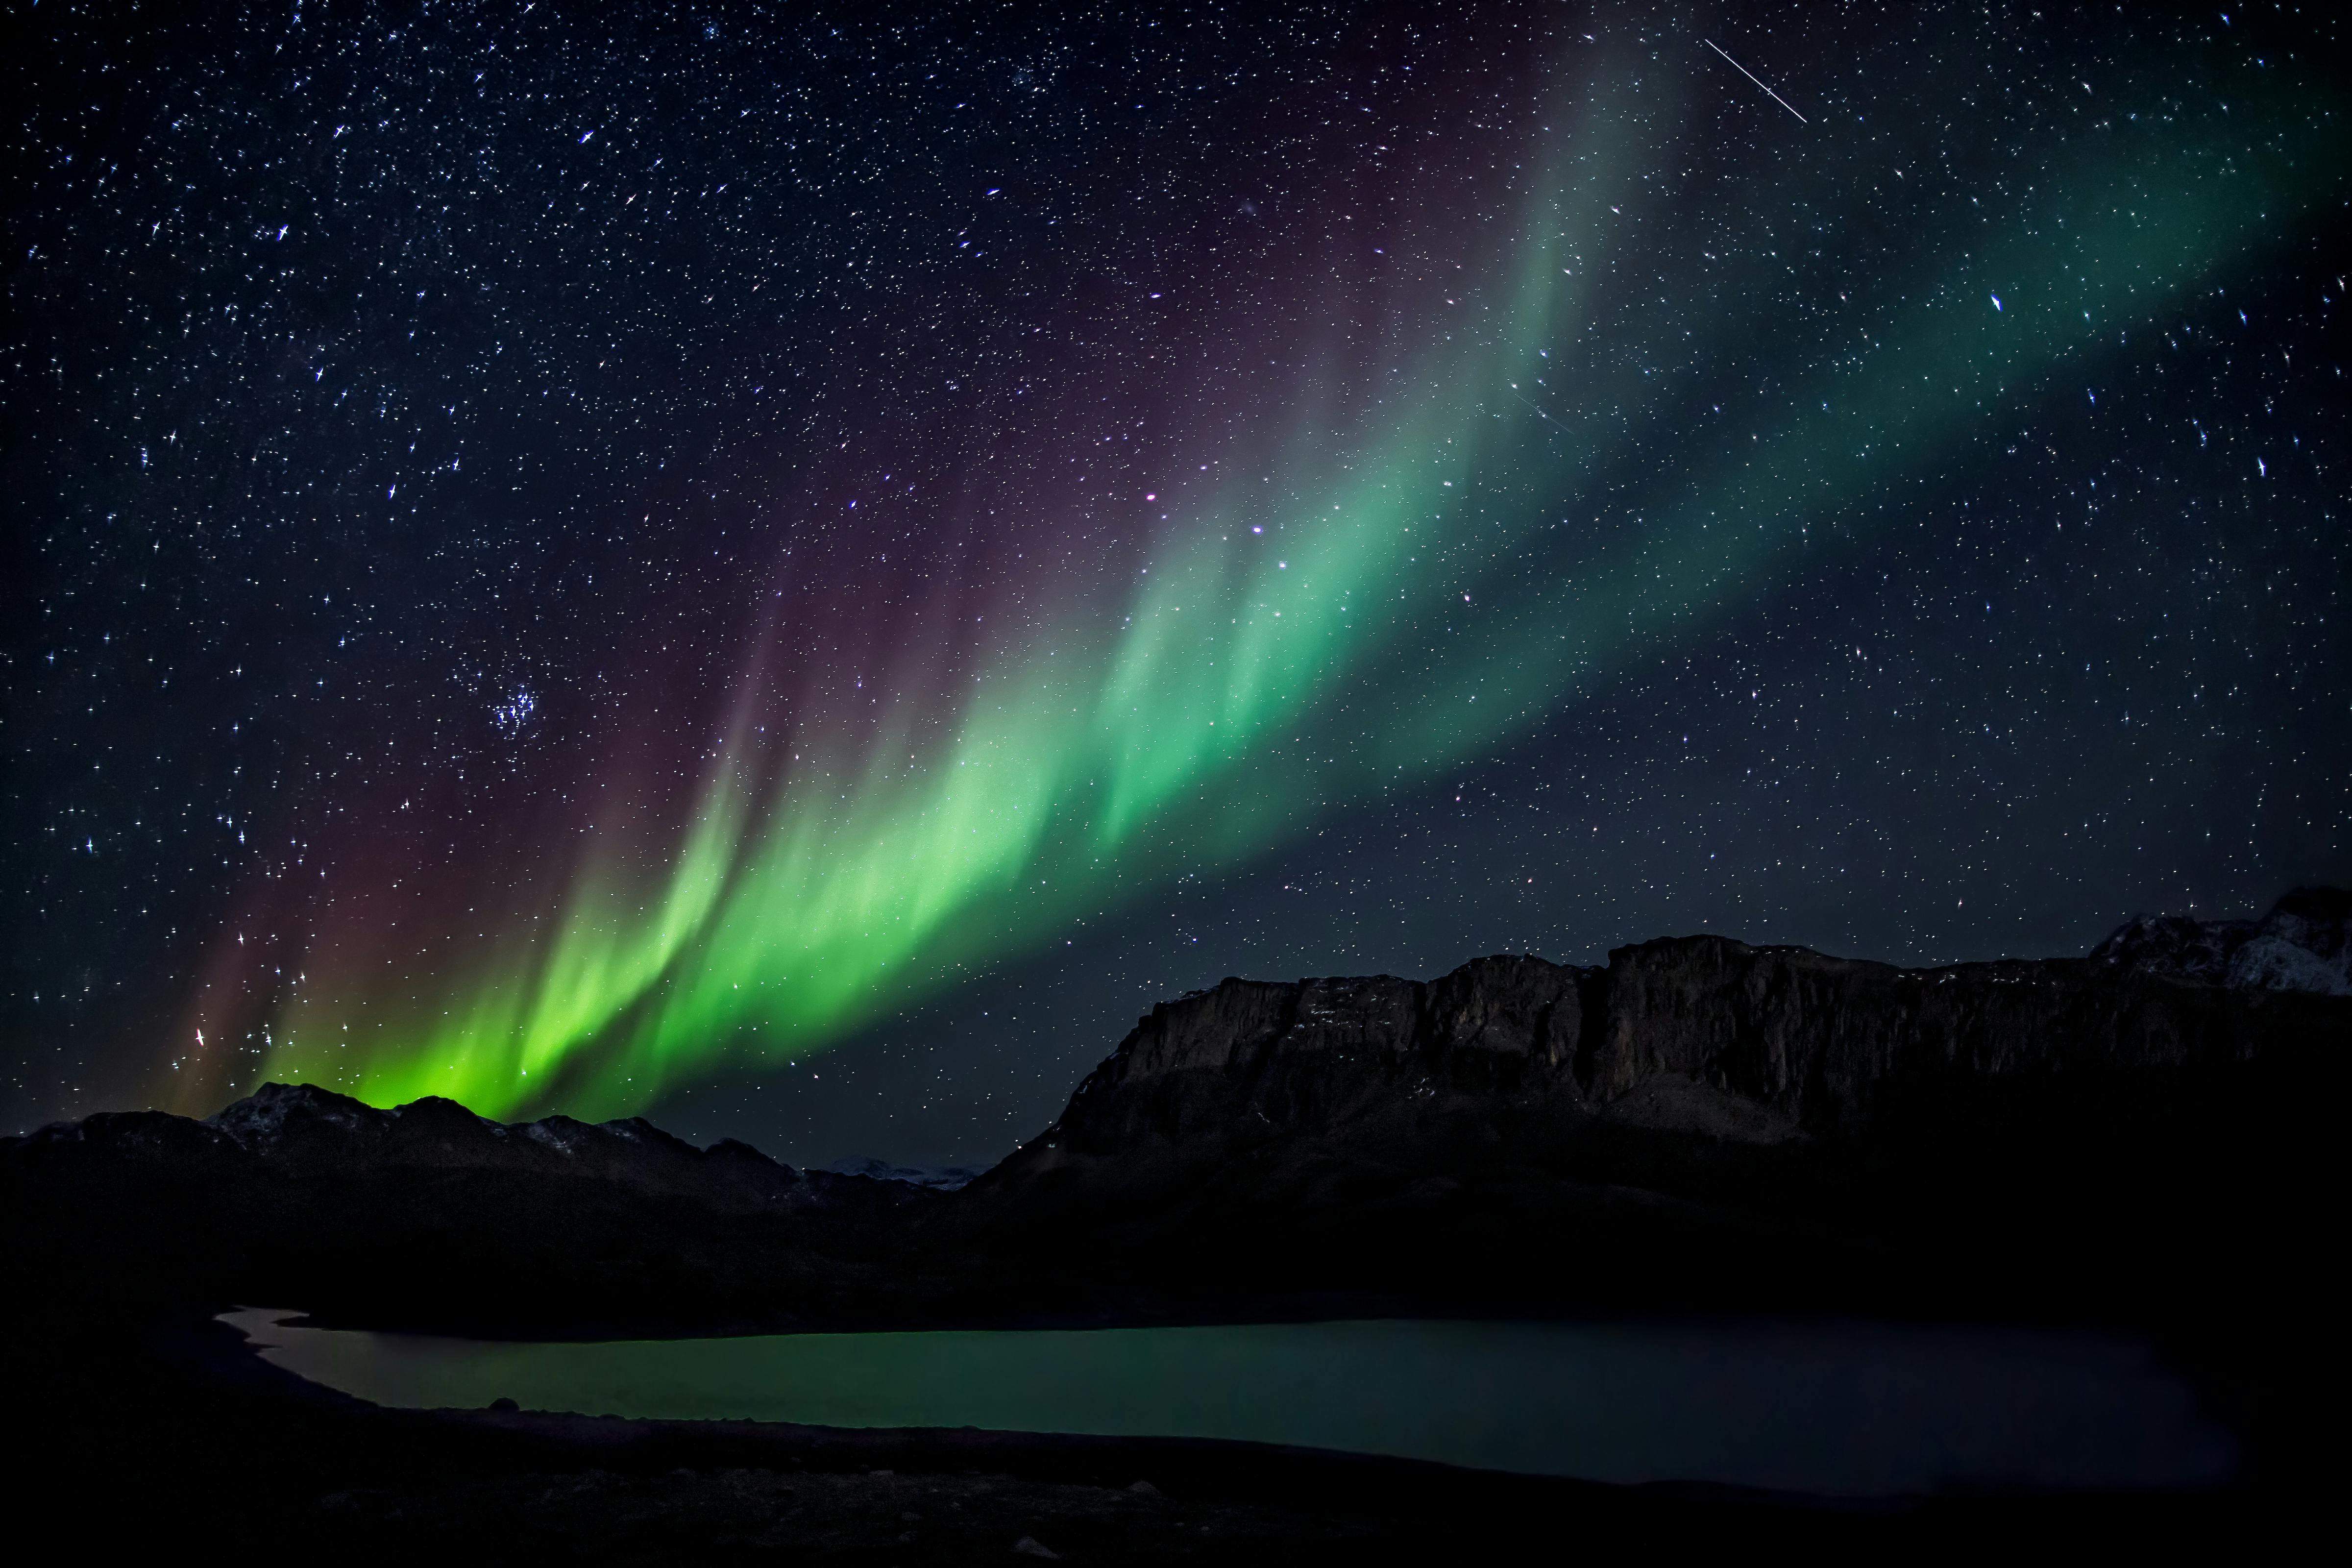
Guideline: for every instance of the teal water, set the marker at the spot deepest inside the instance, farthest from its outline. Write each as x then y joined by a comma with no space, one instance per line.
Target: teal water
1840,1408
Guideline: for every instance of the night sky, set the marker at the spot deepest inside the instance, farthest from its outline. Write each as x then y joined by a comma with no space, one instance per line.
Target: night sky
792,568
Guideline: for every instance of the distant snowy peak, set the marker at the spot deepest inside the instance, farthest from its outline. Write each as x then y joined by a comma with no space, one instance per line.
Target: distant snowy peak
264,1119
2304,943
938,1178
314,1132
301,1127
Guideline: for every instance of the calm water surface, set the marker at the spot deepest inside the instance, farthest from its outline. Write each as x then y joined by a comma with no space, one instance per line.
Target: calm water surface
1846,1408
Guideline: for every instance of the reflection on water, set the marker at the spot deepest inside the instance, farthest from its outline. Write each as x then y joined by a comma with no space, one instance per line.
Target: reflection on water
1854,1409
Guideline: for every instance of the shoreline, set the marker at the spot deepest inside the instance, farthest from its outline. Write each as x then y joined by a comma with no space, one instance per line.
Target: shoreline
167,1422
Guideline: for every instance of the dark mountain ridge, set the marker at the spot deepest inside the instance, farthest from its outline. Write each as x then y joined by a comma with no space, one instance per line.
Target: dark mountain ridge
1704,1036
1697,1123
426,1214
301,1128
2304,943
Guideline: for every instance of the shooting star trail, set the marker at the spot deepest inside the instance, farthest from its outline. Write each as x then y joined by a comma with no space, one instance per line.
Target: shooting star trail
1538,413
1758,81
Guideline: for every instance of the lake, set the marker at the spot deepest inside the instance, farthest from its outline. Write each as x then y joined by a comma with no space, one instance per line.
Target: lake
1854,1409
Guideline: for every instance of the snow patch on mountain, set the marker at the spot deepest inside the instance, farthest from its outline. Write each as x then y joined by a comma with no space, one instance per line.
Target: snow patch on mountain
2304,943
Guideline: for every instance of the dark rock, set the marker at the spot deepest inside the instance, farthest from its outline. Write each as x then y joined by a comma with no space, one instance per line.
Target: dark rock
2304,943
1700,1123
1702,1036
132,1137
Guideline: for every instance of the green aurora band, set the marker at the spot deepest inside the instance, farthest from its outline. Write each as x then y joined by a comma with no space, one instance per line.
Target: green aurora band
1246,691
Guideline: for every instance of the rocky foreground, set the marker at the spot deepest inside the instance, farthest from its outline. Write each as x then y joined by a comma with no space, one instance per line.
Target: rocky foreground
2142,1139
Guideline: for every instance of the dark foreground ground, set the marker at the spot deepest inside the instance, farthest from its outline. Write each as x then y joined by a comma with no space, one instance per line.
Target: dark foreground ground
1701,1126
139,1434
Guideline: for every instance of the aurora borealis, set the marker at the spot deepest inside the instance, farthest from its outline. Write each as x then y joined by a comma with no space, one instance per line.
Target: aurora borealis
870,516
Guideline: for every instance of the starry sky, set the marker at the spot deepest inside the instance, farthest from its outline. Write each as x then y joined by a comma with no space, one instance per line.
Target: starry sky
791,568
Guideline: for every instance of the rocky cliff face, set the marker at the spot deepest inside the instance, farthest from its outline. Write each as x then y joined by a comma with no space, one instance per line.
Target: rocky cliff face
1699,1123
1698,1036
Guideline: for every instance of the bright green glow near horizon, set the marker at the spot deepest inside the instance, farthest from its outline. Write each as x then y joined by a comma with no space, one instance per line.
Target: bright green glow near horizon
1247,690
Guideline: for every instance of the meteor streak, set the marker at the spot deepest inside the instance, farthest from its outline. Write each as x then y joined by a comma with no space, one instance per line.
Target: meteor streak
1751,76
